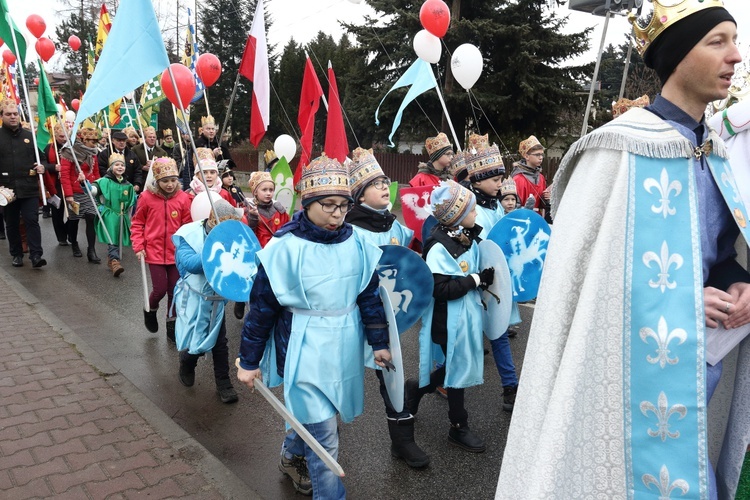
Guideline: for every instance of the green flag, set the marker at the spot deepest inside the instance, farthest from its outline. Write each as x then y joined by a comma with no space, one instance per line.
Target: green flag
5,33
284,179
46,107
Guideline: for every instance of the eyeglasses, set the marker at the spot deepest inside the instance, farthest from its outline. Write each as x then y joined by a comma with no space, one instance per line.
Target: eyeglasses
538,155
381,183
330,208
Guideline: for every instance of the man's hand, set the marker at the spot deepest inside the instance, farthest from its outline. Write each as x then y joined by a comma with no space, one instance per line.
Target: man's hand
39,168
382,355
739,309
717,304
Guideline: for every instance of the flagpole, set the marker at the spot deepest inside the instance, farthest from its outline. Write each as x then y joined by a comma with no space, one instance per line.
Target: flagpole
31,121
140,128
323,96
109,133
208,111
57,159
192,143
229,109
445,110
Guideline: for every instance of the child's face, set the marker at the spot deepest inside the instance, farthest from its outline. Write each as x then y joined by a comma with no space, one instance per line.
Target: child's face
508,203
444,161
168,184
210,176
264,192
317,212
490,186
118,169
470,219
534,158
377,197
227,180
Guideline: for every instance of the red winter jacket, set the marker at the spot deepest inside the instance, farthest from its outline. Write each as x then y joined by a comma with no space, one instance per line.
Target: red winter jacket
69,175
156,219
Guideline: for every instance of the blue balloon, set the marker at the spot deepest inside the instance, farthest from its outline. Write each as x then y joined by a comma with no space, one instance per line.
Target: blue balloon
229,260
523,236
408,281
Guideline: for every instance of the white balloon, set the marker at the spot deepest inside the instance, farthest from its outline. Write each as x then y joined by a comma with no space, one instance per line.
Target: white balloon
70,116
466,65
201,207
427,46
285,146
355,1
59,109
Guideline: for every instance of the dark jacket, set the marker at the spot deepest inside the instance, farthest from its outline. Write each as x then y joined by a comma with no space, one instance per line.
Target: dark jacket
186,168
203,142
156,152
17,161
133,165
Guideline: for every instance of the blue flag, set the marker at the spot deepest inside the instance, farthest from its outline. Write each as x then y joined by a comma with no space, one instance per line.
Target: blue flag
133,54
420,77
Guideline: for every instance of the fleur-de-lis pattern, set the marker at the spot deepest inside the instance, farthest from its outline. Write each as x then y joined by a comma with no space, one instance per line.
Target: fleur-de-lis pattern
727,178
664,187
665,261
663,412
663,485
663,337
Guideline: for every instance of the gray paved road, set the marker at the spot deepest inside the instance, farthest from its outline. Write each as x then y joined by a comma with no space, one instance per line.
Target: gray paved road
107,314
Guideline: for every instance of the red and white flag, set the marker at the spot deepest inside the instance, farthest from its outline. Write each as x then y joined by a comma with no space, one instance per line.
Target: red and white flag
254,67
336,144
309,102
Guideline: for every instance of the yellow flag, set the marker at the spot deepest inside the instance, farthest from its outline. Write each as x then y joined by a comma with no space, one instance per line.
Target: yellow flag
101,34
114,112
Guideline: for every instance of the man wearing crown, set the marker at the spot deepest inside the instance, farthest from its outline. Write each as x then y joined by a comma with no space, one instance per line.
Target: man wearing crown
618,375
208,139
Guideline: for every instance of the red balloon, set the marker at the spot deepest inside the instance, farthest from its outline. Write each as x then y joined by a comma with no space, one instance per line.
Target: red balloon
1,42
75,104
74,42
36,81
9,57
183,80
36,25
45,48
435,17
208,68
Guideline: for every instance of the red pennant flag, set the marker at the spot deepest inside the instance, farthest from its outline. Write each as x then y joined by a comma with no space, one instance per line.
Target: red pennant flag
309,102
254,67
336,143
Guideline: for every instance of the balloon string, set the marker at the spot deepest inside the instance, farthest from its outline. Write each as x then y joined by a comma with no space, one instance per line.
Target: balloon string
286,115
394,64
338,95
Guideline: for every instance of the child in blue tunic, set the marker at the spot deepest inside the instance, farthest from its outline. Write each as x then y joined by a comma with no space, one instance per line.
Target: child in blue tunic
454,320
486,171
372,220
316,298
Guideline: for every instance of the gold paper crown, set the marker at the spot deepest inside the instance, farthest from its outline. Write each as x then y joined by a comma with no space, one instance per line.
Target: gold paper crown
270,156
115,157
207,120
622,105
205,157
508,187
87,133
164,167
166,133
663,17
477,142
434,144
529,144
258,178
364,170
324,176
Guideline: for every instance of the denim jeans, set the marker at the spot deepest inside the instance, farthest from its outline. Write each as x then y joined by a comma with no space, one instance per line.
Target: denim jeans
504,360
713,375
326,485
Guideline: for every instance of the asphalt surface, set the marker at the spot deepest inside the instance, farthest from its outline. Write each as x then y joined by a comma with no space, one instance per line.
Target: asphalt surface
246,437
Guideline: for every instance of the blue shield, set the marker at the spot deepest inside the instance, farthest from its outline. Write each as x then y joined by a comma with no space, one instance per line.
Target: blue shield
229,260
408,281
523,236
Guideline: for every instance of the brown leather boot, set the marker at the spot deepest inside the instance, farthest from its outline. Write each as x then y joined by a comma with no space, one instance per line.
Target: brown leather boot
115,267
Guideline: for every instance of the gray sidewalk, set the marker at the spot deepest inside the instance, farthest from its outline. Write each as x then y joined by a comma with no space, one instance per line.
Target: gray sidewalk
71,426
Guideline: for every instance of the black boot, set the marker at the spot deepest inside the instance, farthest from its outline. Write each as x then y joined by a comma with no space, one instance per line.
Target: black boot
76,249
412,396
403,445
239,310
187,369
226,391
91,255
509,397
149,319
460,435
170,330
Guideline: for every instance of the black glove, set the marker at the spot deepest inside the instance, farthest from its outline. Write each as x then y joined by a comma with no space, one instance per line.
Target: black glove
486,277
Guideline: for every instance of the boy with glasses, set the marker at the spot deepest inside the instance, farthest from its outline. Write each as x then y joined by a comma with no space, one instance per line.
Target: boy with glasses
527,174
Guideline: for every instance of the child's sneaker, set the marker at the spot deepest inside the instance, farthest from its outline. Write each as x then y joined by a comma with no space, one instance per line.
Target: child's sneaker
296,469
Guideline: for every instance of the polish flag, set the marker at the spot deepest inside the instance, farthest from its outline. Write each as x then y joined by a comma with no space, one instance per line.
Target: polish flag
254,67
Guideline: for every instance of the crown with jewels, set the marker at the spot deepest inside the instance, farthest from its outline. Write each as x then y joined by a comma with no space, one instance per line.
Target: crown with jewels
324,176
664,16
116,157
482,160
508,187
164,167
364,169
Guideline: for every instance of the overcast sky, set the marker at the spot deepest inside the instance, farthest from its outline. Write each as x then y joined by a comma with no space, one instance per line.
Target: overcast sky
302,19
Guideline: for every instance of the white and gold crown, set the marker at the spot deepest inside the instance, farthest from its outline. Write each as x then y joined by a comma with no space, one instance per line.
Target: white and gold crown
665,14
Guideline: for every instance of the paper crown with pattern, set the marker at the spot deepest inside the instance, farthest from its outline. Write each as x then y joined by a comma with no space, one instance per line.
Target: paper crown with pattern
508,188
482,160
87,133
622,105
270,157
164,167
458,166
323,177
528,144
665,14
451,203
258,178
116,158
205,157
207,120
437,146
363,171
166,133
